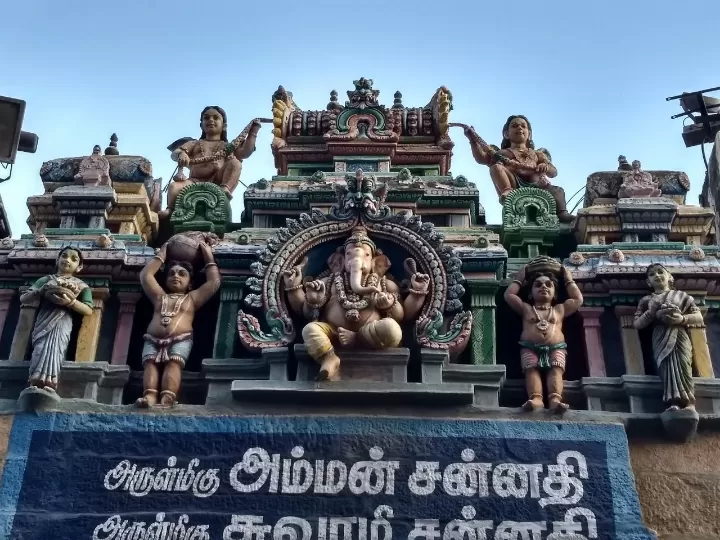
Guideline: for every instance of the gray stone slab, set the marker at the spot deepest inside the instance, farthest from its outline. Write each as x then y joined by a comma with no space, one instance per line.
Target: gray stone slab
358,393
221,372
605,394
431,363
485,379
388,365
277,360
112,384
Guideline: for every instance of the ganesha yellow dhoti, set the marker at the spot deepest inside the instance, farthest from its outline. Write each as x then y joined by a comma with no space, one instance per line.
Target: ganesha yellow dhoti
320,338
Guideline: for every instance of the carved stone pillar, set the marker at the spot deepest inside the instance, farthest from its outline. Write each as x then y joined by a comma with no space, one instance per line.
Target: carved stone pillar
123,332
632,350
24,327
593,340
701,353
482,335
89,335
226,332
6,296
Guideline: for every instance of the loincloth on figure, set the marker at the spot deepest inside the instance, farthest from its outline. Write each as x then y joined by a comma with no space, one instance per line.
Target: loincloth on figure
533,356
172,349
320,337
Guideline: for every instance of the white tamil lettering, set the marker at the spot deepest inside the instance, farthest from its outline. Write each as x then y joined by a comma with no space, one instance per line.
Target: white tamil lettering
138,482
115,528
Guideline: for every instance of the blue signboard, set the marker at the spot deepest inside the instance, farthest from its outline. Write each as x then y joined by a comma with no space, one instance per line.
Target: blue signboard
113,477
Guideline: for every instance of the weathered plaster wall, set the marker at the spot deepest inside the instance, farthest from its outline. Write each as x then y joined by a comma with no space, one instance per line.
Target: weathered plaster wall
679,486
5,427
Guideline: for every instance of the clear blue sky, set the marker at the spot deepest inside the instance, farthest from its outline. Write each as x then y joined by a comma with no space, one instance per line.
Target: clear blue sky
591,76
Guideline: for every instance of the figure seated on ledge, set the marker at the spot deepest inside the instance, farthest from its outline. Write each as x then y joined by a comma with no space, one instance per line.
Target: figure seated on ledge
542,340
212,158
516,163
356,305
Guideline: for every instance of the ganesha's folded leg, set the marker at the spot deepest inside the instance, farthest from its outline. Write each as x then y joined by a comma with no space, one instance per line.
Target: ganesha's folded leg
318,338
382,334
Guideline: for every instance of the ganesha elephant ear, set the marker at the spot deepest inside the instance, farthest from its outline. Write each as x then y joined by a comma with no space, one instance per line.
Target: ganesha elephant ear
381,264
336,262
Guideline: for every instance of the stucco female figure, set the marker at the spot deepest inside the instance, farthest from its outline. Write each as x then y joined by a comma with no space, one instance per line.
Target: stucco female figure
356,306
670,313
224,170
542,342
516,163
60,294
169,337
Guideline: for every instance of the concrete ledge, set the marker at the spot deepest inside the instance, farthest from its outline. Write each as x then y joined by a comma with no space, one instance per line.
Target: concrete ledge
431,363
221,372
389,365
513,394
605,394
277,361
357,392
486,381
112,384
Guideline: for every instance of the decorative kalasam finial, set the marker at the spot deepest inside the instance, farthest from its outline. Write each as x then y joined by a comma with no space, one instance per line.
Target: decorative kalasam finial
112,149
282,95
333,104
397,103
623,164
363,95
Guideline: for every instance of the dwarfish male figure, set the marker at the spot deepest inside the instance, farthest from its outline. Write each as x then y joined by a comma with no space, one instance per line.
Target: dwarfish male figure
542,341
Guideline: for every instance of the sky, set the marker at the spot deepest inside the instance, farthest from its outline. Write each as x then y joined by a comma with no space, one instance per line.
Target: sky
592,77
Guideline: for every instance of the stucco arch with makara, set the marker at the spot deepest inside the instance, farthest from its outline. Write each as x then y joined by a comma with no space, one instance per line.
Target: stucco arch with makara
308,242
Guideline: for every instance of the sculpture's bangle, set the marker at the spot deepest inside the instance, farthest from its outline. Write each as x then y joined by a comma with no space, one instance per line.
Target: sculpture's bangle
518,282
210,264
313,306
71,304
159,258
414,291
570,282
684,320
293,288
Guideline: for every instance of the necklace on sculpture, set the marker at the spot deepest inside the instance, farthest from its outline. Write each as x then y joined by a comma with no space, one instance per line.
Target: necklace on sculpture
166,315
541,324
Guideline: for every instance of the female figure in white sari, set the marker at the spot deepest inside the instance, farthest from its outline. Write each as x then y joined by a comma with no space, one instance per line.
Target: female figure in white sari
60,295
670,313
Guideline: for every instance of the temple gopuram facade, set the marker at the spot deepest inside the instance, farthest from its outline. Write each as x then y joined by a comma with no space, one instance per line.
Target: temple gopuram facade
359,355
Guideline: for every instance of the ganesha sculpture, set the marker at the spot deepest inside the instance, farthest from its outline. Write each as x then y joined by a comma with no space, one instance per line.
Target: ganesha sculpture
357,305
356,302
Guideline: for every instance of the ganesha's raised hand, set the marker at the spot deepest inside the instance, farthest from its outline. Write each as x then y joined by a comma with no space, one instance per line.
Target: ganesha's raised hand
315,292
292,278
419,283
